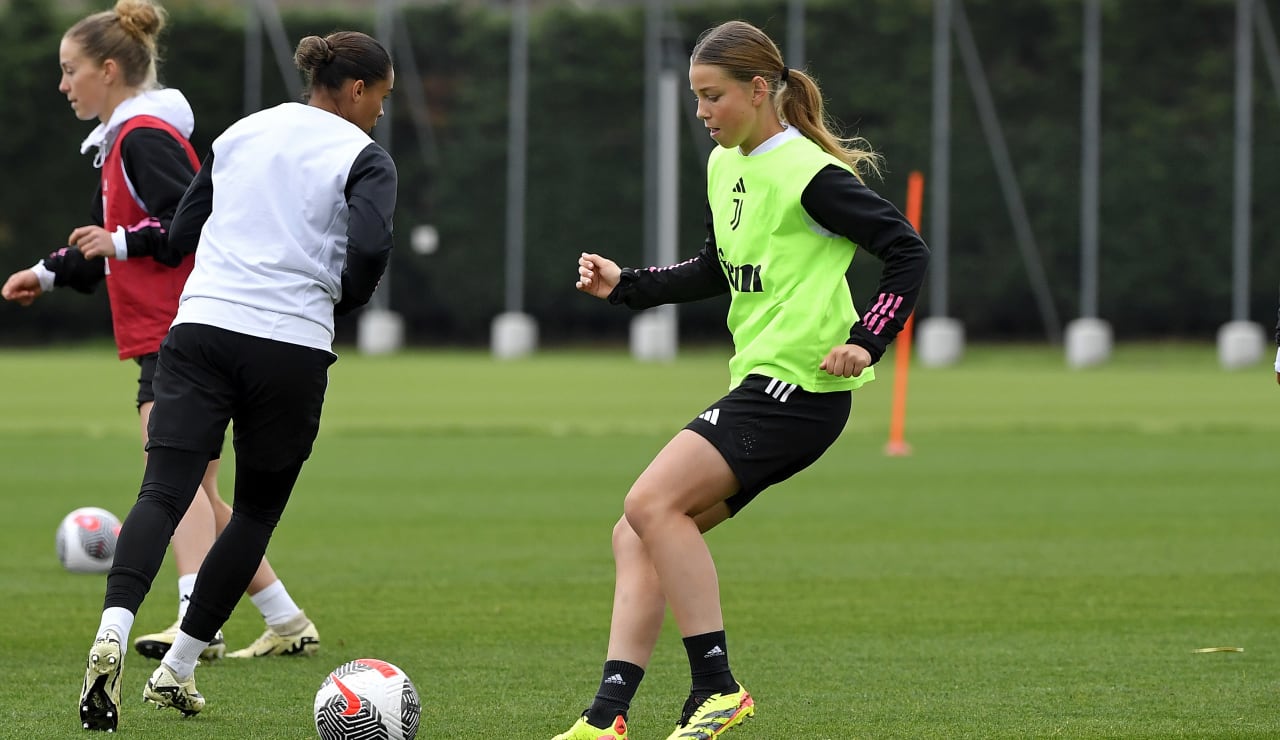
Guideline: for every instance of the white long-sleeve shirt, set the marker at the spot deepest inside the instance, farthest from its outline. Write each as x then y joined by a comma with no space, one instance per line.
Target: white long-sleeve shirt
296,206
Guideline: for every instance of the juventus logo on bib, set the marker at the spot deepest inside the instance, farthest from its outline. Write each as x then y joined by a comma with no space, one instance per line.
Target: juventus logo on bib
737,205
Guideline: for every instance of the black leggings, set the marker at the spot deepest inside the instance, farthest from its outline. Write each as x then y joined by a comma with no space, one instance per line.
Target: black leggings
170,483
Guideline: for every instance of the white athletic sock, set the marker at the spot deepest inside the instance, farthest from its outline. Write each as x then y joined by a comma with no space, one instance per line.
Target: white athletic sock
186,585
118,620
182,657
276,605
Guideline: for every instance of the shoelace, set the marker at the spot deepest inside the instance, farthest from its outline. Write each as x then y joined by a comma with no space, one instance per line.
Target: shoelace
691,706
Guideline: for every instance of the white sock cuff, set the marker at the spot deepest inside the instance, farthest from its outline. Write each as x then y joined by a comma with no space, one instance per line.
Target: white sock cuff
182,656
186,586
119,620
276,605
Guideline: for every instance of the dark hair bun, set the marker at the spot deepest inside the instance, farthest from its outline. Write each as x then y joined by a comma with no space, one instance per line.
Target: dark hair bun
313,53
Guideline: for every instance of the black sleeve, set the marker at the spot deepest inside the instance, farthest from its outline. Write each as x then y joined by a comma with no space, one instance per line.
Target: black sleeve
192,211
371,203
96,215
840,203
1278,327
692,280
157,165
71,270
69,267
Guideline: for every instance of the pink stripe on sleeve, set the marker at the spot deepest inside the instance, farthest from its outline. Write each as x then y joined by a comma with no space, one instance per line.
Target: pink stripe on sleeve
879,318
146,223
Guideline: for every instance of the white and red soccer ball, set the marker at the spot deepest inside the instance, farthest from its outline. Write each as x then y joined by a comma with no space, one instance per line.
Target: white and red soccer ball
86,540
368,699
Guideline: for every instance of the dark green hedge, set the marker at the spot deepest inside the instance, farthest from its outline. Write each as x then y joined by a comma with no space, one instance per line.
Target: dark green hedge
1167,155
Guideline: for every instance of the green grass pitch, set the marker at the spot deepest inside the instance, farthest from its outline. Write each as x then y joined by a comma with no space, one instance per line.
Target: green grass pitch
1042,565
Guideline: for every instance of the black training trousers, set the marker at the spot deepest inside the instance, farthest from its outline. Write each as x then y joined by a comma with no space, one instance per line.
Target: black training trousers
272,392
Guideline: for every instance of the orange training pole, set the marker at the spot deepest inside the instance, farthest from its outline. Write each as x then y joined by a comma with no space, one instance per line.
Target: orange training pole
897,446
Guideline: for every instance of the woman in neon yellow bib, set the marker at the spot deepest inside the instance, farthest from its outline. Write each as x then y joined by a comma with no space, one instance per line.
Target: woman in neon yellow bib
786,208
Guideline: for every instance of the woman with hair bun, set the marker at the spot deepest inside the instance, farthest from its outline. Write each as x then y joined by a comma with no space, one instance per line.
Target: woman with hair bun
109,73
292,213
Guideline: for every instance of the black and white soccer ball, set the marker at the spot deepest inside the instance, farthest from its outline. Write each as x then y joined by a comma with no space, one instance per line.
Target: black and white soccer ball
86,540
367,699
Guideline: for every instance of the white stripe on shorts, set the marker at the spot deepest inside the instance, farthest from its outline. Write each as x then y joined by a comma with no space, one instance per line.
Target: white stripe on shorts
780,390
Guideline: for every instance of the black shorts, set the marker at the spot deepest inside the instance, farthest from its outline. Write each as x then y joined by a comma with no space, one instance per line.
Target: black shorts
146,394
273,391
768,431
146,372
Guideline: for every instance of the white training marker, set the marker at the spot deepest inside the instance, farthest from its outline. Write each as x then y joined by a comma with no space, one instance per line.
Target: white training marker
1219,650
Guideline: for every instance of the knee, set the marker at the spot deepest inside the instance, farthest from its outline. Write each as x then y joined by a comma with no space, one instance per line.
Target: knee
643,508
625,540
169,499
254,517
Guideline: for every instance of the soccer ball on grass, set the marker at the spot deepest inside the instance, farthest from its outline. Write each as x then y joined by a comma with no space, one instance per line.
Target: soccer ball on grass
367,698
86,540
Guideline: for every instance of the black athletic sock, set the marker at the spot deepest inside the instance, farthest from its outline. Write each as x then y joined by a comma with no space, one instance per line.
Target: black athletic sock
709,664
617,689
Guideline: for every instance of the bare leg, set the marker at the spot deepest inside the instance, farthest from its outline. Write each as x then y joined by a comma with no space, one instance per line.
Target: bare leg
660,557
638,603
678,497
